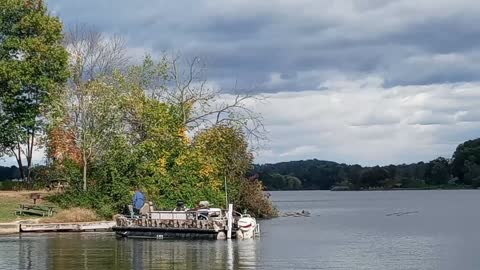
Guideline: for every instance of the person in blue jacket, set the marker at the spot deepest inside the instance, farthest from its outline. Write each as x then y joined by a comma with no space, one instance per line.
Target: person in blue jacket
138,201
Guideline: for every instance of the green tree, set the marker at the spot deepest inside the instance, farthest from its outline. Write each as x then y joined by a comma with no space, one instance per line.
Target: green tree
471,174
133,136
467,151
33,64
227,151
438,171
89,104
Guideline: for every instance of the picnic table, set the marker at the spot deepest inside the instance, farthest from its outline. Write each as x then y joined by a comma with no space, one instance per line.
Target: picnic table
34,209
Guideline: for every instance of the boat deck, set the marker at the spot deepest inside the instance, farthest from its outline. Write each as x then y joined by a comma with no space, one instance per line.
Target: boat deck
171,224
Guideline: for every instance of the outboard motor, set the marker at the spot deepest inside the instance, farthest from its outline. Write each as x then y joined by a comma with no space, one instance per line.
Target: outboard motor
247,226
203,206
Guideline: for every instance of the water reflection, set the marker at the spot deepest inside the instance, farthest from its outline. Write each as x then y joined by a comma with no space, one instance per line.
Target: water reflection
105,251
347,230
155,254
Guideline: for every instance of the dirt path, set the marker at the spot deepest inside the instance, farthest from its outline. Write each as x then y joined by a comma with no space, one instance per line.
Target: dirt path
21,194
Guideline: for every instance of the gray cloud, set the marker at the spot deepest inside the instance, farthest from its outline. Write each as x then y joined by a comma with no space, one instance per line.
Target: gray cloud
365,81
251,40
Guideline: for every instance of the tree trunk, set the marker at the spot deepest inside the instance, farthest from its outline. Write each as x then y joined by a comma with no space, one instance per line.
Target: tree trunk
18,157
29,157
84,171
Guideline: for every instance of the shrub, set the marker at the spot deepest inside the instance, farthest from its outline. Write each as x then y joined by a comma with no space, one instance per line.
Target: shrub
253,199
75,214
7,185
91,199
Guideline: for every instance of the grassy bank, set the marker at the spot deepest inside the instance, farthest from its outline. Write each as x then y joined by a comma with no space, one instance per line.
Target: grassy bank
10,200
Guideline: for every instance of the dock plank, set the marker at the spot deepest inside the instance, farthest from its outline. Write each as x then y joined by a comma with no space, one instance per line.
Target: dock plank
65,227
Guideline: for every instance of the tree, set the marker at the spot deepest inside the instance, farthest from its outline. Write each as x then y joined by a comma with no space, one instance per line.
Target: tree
438,171
128,136
226,149
100,122
471,174
33,64
467,151
200,104
84,112
277,181
92,54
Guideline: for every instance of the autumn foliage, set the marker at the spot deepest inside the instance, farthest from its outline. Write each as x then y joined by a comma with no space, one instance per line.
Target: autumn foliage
146,141
61,145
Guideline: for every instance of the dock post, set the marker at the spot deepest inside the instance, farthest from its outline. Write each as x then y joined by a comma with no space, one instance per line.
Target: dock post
230,221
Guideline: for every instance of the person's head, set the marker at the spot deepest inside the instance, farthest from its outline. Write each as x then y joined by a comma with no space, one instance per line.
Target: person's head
137,188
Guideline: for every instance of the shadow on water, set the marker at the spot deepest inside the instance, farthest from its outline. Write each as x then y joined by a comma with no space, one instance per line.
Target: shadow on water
105,251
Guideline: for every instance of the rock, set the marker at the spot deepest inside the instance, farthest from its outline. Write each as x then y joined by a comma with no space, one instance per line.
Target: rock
302,213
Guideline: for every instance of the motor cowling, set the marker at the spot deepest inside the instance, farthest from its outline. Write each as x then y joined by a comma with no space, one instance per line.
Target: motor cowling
247,225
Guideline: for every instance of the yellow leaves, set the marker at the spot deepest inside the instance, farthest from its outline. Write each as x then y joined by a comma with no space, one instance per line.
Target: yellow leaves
182,133
206,170
180,160
162,166
215,184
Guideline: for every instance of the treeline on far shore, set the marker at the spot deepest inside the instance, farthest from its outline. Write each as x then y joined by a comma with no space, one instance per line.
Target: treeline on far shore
462,170
9,172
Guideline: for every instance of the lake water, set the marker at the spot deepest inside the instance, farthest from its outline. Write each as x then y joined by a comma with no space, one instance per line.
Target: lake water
347,230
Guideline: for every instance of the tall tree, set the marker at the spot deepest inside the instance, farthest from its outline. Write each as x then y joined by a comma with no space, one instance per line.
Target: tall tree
33,64
467,151
83,103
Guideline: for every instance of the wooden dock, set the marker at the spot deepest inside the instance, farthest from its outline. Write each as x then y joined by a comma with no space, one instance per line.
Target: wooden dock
9,228
68,227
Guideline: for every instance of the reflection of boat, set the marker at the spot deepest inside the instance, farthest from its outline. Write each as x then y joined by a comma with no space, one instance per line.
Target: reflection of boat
203,222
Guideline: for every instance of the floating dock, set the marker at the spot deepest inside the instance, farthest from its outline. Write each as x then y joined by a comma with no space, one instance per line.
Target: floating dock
68,227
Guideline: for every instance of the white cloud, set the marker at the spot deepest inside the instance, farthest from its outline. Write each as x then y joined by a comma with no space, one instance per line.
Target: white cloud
363,122
388,67
38,157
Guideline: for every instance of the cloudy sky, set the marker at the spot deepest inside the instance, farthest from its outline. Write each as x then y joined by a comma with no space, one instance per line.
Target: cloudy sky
359,81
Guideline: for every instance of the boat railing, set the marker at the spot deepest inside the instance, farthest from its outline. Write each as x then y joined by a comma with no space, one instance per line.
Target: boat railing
202,214
173,215
146,222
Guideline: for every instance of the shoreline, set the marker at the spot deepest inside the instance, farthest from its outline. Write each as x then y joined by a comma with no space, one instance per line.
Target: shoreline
16,227
379,189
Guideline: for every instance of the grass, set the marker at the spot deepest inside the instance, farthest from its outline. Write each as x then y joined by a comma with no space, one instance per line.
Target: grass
72,215
10,200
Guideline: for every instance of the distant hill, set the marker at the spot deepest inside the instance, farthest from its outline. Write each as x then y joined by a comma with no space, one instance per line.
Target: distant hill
463,169
7,173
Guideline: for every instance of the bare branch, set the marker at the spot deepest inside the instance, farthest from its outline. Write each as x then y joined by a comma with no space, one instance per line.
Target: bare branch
93,53
202,105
